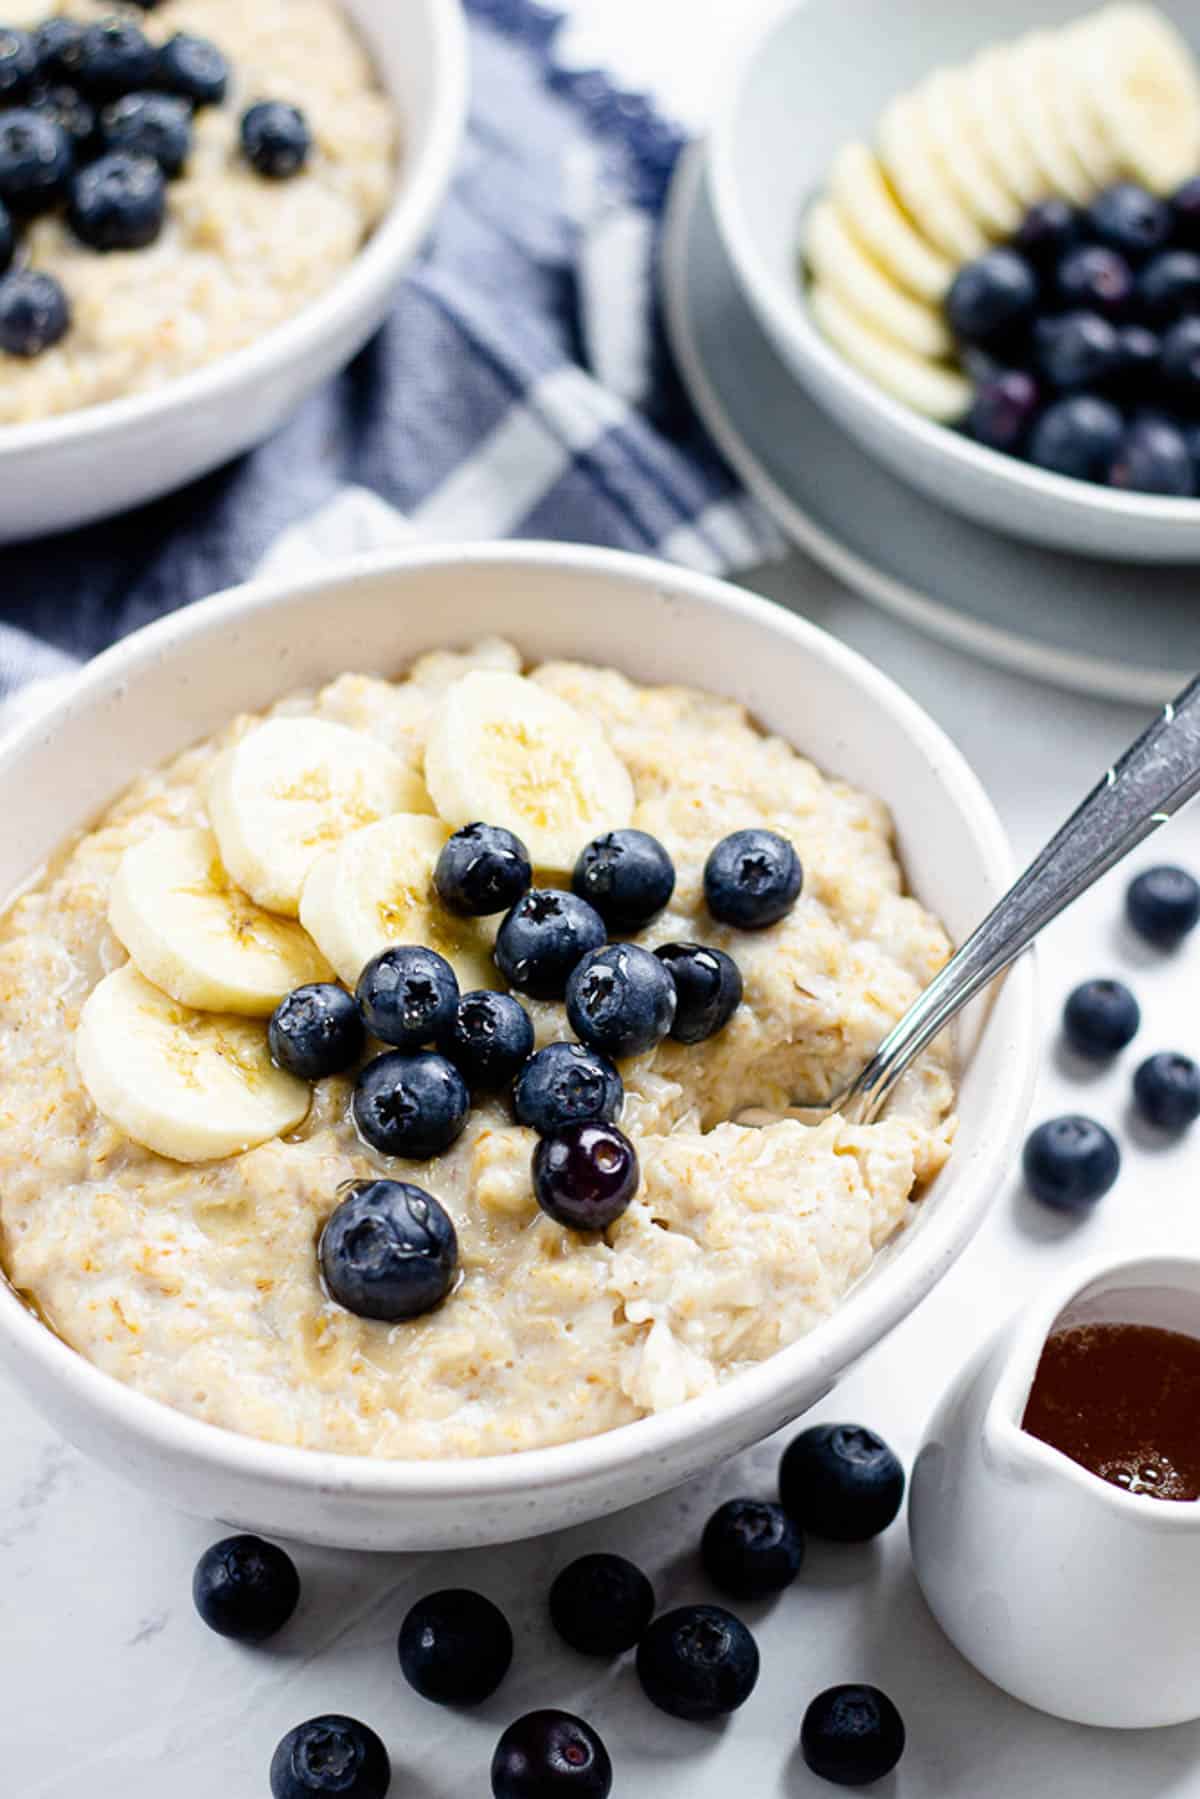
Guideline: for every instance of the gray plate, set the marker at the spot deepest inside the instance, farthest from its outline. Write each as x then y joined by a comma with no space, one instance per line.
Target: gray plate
1128,631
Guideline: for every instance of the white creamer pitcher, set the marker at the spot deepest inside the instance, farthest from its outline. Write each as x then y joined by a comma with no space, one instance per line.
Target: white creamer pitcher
1070,1593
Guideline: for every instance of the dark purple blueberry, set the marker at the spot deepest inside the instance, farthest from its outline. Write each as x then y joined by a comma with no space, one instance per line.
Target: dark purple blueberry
276,139
708,989
751,1548
489,1039
1167,1090
1135,378
1077,436
193,68
482,869
34,314
56,44
245,1589
65,107
413,1106
1153,458
154,125
408,995
113,57
543,937
388,1250
601,1605
331,1757
852,1736
1094,279
18,65
1070,1163
567,1084
698,1662
1076,350
1169,287
992,300
1180,364
841,1482
551,1755
119,202
1100,1018
455,1647
1049,229
627,875
1003,411
36,162
585,1175
1129,220
316,1031
1163,905
621,1000
752,879
1185,215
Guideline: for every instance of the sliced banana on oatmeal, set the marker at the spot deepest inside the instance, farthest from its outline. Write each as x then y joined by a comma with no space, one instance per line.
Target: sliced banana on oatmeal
293,787
375,888
1143,87
193,1086
508,751
837,259
197,936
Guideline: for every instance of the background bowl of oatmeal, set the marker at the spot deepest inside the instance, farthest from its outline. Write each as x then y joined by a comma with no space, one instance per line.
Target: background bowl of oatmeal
75,465
181,679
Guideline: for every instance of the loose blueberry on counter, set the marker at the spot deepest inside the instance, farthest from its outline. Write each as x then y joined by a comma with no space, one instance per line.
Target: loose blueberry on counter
388,1251
330,1755
992,300
154,125
1153,457
1003,410
67,109
1180,364
316,1031
841,1482
34,314
245,1589
708,989
1100,1018
1167,1090
413,1106
585,1175
489,1039
194,69
542,938
601,1605
628,876
1129,220
751,1548
852,1735
276,139
621,1000
1049,229
1136,373
548,1753
482,869
567,1084
408,995
1070,1163
455,1647
1095,279
752,879
36,162
1076,350
1078,436
18,65
1169,286
56,45
113,58
119,202
1163,905
698,1662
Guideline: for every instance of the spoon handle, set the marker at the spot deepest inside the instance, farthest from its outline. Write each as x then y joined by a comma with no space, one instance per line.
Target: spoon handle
1155,777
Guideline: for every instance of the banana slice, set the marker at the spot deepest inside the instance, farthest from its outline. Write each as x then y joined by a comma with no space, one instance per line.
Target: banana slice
1144,89
914,171
292,788
375,888
837,260
928,387
1075,117
868,209
1032,75
194,934
991,102
508,751
193,1086
954,140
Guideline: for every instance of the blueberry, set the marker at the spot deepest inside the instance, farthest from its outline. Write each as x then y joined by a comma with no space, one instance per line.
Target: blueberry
751,1548
567,1084
1163,905
330,1755
1167,1090
627,875
276,139
1095,279
18,65
8,238
1153,457
1100,1018
316,1031
1003,410
56,45
455,1647
489,1039
1134,379
1180,364
34,313
585,1175
1078,436
482,869
992,300
113,58
621,1000
1049,229
542,938
601,1605
1185,215
548,1753
852,1735
752,879
36,161
1169,287
698,1662
408,994
1070,1163
154,125
193,68
389,1251
1129,220
68,109
245,1589
708,989
1076,350
410,1105
841,1482
119,202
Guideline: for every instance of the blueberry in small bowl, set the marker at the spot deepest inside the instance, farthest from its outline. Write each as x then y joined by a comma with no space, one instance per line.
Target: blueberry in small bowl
489,1039
410,1105
621,1000
627,875
388,1251
567,1083
752,879
543,937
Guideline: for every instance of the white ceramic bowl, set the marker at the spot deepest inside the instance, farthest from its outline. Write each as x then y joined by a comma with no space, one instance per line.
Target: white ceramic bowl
63,472
817,76
183,677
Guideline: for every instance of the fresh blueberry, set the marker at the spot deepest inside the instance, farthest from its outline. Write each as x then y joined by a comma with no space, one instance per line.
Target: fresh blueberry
245,1589
56,45
1100,1018
389,1251
585,1175
551,1755
8,238
482,869
1169,287
601,1605
34,313
1167,1090
18,65
1078,436
1095,279
1153,458
1070,1163
316,1031
1180,364
567,1084
113,57
1049,229
698,1662
331,1755
276,139
36,161
408,994
65,107
1135,377
992,300
1129,220
1076,350
1163,905
154,125
193,68
621,1000
627,875
489,1039
752,879
119,202
543,937
1003,410
751,1548
1185,215
708,989
852,1736
841,1482
410,1105
455,1647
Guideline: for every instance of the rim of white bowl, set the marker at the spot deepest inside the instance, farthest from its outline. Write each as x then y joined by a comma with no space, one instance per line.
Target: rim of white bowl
421,187
781,304
864,1316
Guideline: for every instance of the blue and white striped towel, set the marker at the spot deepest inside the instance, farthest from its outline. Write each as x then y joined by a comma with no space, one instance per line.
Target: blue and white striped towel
520,387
